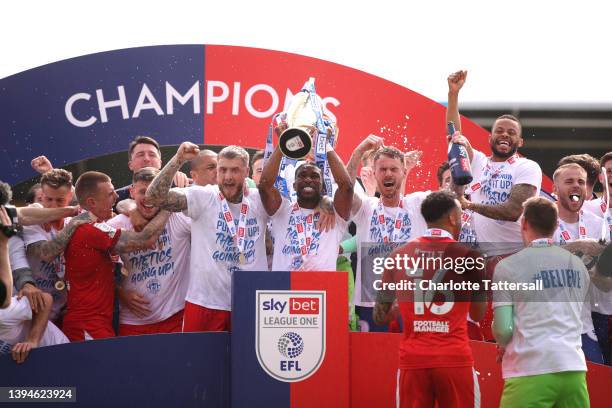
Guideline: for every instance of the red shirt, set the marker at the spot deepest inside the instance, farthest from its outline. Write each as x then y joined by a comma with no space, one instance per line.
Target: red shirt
90,273
435,332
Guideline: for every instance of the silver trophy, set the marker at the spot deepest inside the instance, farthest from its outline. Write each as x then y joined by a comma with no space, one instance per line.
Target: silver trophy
296,141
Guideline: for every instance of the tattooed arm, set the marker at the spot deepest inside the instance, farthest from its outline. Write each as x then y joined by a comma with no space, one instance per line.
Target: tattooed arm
36,216
47,250
159,192
510,210
131,240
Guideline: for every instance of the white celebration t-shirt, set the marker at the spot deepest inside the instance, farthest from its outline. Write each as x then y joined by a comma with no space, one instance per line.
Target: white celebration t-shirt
214,255
17,254
15,323
412,226
496,179
324,245
47,274
160,275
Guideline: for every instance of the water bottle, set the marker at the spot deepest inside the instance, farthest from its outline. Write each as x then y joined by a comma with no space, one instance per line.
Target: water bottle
459,161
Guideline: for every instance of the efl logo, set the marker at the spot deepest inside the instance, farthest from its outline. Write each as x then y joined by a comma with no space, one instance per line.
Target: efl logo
303,306
290,333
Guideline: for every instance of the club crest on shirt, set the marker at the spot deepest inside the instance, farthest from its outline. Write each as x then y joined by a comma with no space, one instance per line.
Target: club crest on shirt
153,286
107,229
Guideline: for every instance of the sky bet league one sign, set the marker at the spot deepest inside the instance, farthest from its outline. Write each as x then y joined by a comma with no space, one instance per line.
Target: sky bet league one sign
94,105
290,337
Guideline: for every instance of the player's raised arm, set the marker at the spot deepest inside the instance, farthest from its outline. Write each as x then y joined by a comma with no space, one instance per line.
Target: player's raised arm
159,193
270,196
455,83
369,143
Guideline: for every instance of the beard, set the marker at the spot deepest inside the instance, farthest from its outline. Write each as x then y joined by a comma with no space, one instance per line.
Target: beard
503,155
232,194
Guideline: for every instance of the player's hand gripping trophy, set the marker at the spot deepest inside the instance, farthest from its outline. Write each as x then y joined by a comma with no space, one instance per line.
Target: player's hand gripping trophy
305,123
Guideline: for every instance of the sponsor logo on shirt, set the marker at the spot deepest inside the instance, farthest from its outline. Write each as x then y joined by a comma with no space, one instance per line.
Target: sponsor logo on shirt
430,326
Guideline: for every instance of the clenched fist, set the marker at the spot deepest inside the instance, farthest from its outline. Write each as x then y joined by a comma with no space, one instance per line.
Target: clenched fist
187,151
456,81
41,164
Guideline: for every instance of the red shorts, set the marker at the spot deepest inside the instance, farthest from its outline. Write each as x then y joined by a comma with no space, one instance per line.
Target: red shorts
455,387
202,319
173,324
80,330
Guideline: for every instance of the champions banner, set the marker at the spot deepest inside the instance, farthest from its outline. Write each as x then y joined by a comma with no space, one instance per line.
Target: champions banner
96,104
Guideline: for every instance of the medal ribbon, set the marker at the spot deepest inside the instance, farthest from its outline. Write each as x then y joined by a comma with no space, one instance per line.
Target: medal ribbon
565,234
380,222
304,226
321,139
606,226
239,234
281,182
466,216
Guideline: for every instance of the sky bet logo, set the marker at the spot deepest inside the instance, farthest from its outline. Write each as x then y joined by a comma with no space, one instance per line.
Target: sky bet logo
296,305
290,333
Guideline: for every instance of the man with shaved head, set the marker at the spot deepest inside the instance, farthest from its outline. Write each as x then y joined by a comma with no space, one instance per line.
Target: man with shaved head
204,168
